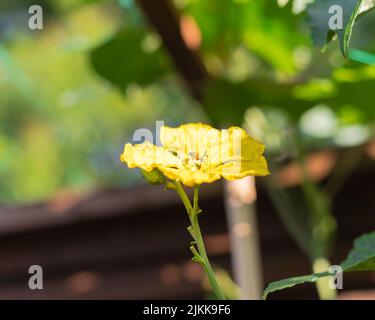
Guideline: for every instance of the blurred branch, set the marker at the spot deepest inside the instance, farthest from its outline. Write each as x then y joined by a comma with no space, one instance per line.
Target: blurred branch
344,168
289,212
163,16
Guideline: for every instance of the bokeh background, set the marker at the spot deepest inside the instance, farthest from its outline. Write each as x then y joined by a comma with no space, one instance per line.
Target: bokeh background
73,93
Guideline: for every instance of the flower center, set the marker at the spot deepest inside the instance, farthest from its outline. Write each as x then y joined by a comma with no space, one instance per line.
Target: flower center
194,161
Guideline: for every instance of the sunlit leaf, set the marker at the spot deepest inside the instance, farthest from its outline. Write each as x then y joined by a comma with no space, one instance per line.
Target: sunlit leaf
366,5
298,5
271,33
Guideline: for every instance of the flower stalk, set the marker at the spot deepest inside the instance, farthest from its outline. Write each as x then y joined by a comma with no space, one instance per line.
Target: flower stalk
198,249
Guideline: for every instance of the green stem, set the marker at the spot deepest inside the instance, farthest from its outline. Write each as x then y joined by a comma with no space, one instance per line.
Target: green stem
195,199
343,169
202,252
200,255
185,199
322,285
323,225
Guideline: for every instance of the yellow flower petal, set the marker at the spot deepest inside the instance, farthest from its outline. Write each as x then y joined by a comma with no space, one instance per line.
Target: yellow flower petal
197,138
239,169
147,156
236,144
189,178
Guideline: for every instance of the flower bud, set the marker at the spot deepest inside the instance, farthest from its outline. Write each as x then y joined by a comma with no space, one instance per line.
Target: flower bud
153,177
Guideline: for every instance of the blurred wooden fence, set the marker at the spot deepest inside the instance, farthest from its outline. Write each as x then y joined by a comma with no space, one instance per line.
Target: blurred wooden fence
133,243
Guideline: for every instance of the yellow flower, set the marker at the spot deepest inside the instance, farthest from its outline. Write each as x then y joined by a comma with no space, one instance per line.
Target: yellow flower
196,153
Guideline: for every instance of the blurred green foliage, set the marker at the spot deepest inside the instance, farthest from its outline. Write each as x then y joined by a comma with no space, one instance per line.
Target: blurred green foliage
141,51
61,125
72,94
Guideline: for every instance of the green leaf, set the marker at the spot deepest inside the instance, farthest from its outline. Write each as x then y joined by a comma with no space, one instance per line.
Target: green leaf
360,258
291,282
132,55
320,16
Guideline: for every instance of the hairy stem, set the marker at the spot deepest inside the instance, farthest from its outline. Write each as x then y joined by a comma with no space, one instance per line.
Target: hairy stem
199,252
